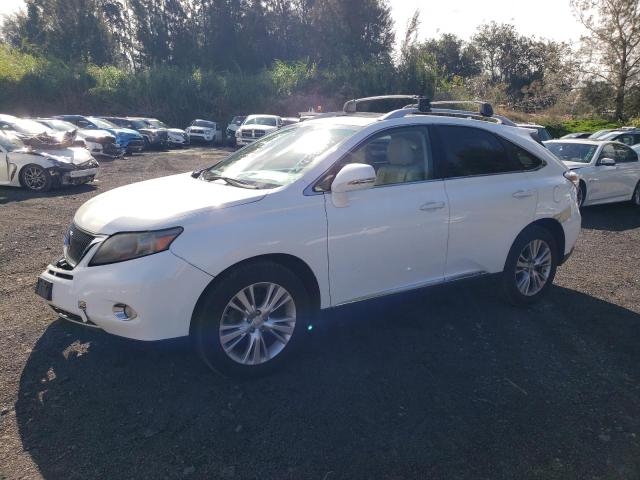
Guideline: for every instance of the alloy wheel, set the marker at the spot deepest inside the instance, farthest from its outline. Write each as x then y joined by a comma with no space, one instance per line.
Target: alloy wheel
34,178
533,267
257,323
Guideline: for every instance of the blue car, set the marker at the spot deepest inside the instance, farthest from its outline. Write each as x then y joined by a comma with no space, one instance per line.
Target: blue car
131,140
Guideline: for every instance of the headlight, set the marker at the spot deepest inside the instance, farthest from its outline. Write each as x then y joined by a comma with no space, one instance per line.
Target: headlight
127,246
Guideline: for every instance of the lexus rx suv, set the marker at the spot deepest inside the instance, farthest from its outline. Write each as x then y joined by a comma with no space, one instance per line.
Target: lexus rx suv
242,255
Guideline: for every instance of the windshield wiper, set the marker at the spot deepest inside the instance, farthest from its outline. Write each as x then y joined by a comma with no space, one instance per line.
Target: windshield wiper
231,181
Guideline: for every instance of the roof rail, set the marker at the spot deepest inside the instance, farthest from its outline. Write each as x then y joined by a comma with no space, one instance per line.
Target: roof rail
424,104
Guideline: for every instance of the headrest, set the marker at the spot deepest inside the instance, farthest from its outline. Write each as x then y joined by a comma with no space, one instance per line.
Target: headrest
400,151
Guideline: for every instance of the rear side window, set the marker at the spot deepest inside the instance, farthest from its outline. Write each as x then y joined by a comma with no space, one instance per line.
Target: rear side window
469,151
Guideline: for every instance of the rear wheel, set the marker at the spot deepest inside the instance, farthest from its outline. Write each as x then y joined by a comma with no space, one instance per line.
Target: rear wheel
531,266
35,178
251,320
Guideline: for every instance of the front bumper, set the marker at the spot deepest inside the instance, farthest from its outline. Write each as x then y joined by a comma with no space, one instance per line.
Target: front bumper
162,288
206,137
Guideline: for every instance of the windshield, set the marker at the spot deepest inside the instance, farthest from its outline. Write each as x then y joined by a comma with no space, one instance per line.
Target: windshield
270,121
609,136
157,123
10,142
28,127
203,123
282,157
138,124
573,152
101,123
599,133
238,120
60,125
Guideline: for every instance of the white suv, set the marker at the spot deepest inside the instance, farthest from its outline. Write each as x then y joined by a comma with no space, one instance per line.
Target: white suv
255,127
240,255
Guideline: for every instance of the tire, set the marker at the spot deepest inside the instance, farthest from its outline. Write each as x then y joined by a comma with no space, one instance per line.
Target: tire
35,178
243,353
636,196
518,267
582,194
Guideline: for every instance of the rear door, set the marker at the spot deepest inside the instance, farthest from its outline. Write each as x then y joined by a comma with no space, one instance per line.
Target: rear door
491,193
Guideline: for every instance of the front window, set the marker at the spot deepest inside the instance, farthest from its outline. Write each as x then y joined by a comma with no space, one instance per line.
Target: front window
268,121
282,157
101,123
543,134
238,120
573,152
10,142
28,127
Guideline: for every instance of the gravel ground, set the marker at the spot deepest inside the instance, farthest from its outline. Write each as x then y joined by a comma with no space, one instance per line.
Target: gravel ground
448,383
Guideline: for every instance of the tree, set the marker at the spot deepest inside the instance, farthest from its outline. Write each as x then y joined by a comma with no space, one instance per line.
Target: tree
612,48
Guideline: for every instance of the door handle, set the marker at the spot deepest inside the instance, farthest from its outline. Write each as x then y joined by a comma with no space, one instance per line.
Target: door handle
524,193
430,206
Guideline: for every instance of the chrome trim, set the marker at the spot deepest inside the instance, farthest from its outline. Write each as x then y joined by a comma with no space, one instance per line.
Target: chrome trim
363,181
416,286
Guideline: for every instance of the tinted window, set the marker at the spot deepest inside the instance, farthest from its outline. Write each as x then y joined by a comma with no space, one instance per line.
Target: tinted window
627,139
526,160
608,152
625,154
471,151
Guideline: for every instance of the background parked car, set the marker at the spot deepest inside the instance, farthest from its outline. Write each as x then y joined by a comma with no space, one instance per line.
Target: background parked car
576,135
23,128
41,169
233,125
154,137
98,142
543,133
609,171
127,138
176,137
256,126
203,130
626,136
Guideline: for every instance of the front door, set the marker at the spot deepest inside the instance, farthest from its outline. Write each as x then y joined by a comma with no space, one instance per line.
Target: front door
391,237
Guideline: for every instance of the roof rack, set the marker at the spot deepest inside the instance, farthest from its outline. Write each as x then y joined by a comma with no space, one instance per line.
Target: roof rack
423,106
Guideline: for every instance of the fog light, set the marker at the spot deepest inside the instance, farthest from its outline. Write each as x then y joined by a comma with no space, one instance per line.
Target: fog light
124,312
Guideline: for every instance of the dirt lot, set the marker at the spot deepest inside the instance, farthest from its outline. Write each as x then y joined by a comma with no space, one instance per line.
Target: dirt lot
449,383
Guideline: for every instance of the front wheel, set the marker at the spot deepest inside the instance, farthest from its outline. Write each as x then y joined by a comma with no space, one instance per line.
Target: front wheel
251,320
531,266
35,178
636,196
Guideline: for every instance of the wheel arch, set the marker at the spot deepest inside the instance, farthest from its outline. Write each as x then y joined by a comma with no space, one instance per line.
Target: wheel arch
298,266
555,228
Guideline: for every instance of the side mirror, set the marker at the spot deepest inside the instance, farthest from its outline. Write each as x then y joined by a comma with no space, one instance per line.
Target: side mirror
607,162
352,177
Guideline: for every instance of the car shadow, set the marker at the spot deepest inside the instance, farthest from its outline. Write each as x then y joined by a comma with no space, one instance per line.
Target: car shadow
616,217
445,383
13,194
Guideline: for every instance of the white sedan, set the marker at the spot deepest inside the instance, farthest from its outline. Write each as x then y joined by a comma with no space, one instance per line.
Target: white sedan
41,169
609,171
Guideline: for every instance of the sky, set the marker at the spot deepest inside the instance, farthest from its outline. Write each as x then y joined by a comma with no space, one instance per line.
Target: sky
550,19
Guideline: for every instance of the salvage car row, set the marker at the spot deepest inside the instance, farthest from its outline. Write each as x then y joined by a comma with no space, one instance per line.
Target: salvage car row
42,153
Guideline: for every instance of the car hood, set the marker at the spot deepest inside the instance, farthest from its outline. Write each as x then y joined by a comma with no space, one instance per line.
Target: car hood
126,132
574,165
73,155
160,203
98,134
176,130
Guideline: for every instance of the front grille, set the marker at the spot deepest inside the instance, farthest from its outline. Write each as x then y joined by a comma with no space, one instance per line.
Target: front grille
111,149
76,242
253,133
136,142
